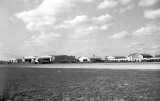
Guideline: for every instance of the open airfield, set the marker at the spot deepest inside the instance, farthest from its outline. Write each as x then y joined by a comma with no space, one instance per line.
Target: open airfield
81,82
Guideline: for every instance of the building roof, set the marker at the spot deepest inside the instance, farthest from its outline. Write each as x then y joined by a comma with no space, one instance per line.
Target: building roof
144,55
133,54
119,57
96,57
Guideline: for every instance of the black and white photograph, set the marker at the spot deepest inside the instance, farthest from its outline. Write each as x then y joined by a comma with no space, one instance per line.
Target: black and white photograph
79,50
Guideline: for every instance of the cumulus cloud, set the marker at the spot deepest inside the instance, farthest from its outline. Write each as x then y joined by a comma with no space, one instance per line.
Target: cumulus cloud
124,2
77,21
104,27
156,47
119,35
107,4
46,13
1,44
84,26
6,53
83,20
88,31
135,44
82,32
111,4
102,18
127,8
147,3
98,49
96,28
147,30
79,41
152,14
39,43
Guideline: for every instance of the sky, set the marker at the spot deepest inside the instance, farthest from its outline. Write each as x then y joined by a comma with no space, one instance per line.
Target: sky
79,27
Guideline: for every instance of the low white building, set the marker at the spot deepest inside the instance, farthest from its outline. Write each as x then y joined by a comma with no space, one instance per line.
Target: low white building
30,59
13,60
117,58
84,59
46,59
110,58
139,57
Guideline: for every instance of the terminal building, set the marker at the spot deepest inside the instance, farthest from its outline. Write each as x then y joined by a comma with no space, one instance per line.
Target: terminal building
136,57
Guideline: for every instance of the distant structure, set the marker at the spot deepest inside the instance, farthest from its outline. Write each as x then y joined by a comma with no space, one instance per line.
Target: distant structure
84,59
30,59
45,59
110,58
136,57
97,59
116,59
64,59
13,60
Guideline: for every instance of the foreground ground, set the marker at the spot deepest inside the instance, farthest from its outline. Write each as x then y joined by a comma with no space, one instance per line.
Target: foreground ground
51,84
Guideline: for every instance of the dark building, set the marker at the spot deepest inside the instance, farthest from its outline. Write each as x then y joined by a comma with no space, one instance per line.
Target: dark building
96,59
64,59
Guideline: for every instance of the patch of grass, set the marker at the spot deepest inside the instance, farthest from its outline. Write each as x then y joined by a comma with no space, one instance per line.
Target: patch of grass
30,84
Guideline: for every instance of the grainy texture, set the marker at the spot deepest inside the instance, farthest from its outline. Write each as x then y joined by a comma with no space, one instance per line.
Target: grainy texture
50,84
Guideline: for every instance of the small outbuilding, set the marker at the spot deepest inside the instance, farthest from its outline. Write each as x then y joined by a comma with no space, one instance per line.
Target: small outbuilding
84,59
45,59
30,59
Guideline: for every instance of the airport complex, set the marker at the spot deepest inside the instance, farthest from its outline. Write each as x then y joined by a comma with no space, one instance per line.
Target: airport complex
136,57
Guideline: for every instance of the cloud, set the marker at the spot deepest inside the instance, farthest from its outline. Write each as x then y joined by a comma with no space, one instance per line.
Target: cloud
104,27
102,18
88,31
119,35
127,8
83,26
135,44
152,14
1,45
147,3
124,2
96,28
79,41
147,30
40,43
46,13
44,39
82,32
6,54
156,47
107,4
83,20
78,20
111,4
79,51
98,49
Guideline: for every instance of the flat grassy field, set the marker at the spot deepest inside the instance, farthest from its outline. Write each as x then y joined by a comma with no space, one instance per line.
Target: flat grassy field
58,84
